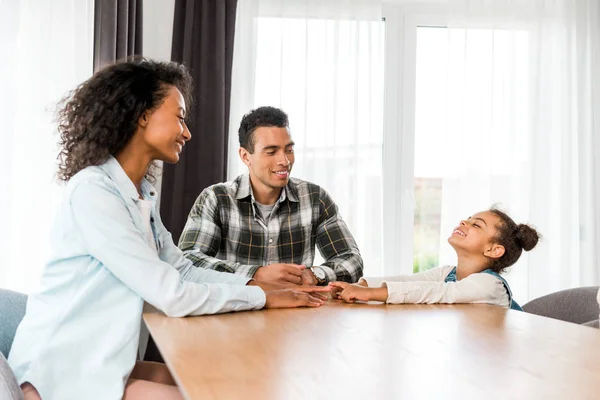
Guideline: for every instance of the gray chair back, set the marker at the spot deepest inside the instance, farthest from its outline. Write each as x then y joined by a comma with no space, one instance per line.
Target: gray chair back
576,305
593,324
12,310
9,387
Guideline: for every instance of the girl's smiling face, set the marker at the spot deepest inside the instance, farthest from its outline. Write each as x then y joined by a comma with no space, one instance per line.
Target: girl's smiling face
476,234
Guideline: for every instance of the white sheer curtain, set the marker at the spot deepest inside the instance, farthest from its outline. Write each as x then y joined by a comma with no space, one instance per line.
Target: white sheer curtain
522,130
322,63
46,50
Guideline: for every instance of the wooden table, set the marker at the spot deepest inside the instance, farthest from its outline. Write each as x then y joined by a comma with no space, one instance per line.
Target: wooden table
375,351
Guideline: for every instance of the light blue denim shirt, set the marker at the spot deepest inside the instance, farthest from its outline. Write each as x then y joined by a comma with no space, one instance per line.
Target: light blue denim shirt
80,333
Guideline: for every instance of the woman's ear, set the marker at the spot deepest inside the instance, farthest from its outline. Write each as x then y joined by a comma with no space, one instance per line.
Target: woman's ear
496,251
143,121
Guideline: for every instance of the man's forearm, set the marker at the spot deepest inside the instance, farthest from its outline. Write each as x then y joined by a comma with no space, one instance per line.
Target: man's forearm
345,268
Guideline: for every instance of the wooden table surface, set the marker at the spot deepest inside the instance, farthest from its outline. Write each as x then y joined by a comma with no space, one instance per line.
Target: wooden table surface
376,351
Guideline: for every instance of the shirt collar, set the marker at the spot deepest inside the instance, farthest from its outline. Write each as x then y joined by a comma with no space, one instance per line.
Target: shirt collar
124,184
245,189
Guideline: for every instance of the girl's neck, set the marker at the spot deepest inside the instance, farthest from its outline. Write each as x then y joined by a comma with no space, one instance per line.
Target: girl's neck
469,264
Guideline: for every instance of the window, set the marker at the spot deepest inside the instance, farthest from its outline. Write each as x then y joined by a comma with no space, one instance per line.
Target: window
471,147
327,74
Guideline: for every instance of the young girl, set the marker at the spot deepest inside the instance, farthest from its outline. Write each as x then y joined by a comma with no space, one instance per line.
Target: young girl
486,244
110,250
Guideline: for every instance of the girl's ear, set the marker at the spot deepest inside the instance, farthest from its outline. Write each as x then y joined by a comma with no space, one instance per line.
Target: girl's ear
495,251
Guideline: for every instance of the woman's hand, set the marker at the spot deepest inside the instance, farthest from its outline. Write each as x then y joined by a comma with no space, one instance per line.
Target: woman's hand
319,292
298,297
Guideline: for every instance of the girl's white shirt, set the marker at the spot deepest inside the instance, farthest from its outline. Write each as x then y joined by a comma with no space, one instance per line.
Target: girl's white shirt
430,287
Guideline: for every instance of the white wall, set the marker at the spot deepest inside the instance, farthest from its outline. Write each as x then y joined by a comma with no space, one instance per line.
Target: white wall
158,28
157,36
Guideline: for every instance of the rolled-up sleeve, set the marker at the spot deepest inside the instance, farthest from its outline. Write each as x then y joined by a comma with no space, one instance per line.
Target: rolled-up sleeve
111,237
476,288
432,275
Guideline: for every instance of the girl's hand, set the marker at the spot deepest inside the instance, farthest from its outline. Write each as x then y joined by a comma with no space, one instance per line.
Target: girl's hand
338,286
351,293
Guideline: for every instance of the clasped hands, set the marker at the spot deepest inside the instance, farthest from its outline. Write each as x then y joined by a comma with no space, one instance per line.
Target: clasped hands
286,274
289,285
360,291
294,285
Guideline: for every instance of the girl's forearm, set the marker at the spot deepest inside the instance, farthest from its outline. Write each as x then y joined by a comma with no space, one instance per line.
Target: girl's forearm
379,294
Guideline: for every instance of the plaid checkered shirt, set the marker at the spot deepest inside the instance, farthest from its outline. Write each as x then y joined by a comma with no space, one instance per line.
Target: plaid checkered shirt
225,232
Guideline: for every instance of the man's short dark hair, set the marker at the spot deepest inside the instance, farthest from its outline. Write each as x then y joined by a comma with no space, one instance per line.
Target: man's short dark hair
262,116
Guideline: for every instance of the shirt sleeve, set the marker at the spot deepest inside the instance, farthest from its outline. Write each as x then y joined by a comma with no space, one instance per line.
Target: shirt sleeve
432,275
201,238
174,256
476,288
343,261
111,237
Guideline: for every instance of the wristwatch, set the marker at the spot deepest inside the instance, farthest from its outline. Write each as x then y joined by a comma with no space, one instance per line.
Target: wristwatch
320,275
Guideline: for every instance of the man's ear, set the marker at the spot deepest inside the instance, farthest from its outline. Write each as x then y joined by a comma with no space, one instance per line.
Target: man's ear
495,251
143,121
244,156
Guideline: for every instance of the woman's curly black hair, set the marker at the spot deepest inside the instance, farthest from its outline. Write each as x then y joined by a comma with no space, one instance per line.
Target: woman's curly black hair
101,115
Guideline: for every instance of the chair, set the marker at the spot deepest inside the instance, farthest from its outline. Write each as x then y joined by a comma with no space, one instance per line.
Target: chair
9,387
578,305
12,310
593,324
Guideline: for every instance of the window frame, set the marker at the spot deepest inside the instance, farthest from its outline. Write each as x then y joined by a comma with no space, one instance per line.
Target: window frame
402,20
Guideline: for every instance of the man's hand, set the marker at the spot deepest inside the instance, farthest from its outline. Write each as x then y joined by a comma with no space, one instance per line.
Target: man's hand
291,298
351,293
308,278
280,273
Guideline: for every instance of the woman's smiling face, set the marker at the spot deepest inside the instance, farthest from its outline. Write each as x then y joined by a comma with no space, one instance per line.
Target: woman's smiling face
166,132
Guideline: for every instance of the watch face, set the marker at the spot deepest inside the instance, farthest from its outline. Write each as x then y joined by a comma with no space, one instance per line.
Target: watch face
319,273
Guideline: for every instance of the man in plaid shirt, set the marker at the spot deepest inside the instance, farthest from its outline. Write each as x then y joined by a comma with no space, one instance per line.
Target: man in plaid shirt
265,224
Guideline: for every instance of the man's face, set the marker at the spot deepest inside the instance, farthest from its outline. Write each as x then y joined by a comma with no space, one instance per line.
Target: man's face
271,162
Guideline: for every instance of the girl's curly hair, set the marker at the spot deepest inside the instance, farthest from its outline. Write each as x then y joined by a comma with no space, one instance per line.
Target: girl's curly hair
514,237
101,115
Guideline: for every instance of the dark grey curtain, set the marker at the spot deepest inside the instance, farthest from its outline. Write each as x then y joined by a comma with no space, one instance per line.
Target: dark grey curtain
117,30
203,33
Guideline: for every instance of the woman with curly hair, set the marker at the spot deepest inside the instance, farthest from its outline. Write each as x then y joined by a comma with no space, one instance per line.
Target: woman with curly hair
111,255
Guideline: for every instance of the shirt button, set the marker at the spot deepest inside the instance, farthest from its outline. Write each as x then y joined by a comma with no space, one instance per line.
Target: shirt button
271,240
151,193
